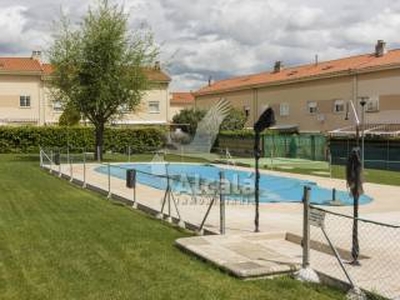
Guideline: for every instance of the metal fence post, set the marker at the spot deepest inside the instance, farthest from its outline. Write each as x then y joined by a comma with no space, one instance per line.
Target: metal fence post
59,163
71,169
68,158
134,190
169,218
84,169
109,180
129,153
41,157
51,161
221,202
306,227
306,273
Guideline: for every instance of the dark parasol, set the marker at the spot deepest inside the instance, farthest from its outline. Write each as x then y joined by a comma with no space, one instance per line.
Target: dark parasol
354,182
266,120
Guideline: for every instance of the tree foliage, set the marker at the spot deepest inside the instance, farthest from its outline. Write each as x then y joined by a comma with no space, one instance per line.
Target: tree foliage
70,116
100,65
189,118
236,120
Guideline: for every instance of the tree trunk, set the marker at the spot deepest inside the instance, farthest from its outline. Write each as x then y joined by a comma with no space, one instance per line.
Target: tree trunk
99,141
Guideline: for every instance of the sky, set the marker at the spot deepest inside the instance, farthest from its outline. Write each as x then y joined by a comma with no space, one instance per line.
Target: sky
222,38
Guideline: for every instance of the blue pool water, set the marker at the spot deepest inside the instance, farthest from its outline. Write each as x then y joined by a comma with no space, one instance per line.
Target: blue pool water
186,178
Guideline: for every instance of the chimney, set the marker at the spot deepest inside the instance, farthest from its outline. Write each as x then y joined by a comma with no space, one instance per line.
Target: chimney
37,55
278,66
157,66
209,80
380,48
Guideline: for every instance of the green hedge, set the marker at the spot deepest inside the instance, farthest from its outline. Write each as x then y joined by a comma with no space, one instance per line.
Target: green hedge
27,139
245,133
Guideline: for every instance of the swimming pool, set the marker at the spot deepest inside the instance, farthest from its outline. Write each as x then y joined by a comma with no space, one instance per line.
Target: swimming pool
239,184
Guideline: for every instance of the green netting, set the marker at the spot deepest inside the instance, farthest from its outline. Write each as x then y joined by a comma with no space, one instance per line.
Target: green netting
305,146
379,154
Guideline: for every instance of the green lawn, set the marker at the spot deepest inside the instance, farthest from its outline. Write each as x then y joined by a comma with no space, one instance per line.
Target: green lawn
58,241
370,175
317,168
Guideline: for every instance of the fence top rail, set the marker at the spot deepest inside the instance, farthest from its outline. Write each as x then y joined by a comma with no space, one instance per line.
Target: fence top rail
359,219
166,176
153,150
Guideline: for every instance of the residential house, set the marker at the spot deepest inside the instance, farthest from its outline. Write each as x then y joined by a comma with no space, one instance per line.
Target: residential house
316,97
180,101
25,97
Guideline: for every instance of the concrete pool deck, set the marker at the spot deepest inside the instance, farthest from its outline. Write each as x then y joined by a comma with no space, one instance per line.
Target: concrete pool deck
271,255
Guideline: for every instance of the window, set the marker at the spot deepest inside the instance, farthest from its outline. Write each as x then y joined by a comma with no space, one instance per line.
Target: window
247,110
284,109
57,106
338,106
312,107
25,101
154,107
372,104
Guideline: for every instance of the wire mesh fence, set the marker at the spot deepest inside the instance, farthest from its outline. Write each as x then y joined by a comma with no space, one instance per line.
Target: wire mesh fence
382,153
175,197
191,202
331,243
304,146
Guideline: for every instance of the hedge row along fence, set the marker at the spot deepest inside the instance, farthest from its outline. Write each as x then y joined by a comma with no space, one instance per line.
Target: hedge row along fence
29,139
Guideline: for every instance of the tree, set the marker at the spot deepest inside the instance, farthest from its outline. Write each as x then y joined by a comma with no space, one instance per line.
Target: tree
100,66
236,120
70,116
190,117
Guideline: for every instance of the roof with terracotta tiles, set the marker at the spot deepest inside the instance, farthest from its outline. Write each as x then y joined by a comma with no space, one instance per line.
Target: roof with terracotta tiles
19,64
30,65
47,69
156,75
182,98
359,63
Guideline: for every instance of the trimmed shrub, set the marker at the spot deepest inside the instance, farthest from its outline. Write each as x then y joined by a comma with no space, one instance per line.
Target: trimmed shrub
28,139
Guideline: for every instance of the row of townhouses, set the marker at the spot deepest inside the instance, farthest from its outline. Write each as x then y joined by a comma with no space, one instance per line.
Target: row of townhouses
315,97
311,98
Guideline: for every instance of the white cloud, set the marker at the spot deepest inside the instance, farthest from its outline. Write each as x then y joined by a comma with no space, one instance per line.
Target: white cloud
12,24
225,37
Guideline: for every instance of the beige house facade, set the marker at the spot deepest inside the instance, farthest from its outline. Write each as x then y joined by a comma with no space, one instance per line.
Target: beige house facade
26,100
180,101
317,97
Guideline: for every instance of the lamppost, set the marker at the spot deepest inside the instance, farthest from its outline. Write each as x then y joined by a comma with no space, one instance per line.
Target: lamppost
266,120
363,101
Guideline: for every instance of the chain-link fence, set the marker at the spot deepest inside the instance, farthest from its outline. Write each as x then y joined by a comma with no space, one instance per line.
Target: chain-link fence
383,153
296,146
185,199
331,247
304,146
